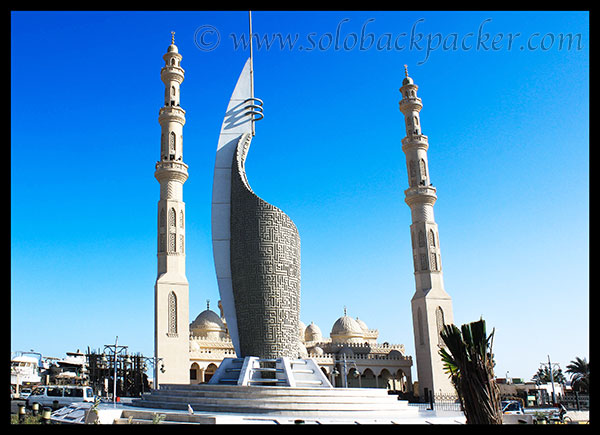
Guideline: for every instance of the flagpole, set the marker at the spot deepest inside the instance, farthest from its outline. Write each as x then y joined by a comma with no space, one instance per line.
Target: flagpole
251,65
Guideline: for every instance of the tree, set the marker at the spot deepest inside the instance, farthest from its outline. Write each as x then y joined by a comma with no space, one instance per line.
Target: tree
542,376
580,374
468,360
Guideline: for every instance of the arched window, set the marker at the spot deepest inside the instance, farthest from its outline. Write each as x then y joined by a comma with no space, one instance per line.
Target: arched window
420,325
194,371
423,168
162,219
412,170
431,238
172,142
421,239
433,261
173,90
172,218
172,326
439,321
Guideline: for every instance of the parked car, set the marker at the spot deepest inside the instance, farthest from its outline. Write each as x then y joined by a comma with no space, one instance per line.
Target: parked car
512,407
46,395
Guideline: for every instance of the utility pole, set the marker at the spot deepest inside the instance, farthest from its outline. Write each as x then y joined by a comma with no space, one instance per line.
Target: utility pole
550,364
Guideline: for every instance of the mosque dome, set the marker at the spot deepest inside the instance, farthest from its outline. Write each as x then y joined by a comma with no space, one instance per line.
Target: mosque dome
172,49
394,353
362,325
346,328
407,81
316,351
207,321
302,328
313,333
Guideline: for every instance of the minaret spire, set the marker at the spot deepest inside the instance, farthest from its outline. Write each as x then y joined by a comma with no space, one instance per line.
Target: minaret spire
431,305
171,326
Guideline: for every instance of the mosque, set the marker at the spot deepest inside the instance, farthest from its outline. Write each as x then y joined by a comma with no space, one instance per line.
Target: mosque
190,353
350,357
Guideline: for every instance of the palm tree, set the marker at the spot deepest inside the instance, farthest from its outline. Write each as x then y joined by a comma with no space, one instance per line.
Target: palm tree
468,360
580,374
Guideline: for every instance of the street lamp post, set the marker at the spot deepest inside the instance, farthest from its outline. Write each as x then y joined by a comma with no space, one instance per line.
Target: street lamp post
344,363
116,350
154,362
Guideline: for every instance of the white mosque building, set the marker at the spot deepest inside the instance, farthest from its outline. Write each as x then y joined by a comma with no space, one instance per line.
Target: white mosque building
350,356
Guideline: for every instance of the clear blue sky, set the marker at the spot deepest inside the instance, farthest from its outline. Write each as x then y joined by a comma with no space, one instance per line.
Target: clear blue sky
506,110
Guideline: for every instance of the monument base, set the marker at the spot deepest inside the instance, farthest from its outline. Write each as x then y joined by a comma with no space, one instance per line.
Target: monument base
300,402
282,387
283,372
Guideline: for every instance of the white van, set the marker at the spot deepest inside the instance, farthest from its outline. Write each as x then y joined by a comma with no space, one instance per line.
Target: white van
45,395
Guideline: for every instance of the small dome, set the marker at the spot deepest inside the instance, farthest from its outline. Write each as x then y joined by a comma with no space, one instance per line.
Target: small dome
316,351
301,328
346,326
362,325
395,354
172,49
407,81
208,321
313,333
302,352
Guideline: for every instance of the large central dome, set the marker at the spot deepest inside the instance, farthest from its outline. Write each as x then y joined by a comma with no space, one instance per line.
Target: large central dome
207,322
346,328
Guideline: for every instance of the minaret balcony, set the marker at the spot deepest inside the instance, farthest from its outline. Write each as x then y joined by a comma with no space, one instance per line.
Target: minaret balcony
415,141
171,113
171,170
172,73
420,195
410,104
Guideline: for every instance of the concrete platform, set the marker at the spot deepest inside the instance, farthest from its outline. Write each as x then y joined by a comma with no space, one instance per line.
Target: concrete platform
301,402
127,414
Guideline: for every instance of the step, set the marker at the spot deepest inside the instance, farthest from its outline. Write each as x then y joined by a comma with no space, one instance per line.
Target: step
303,371
357,411
232,380
253,391
268,381
145,417
319,403
280,398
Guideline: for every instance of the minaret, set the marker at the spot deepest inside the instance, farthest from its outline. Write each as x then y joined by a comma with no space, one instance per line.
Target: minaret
431,305
171,292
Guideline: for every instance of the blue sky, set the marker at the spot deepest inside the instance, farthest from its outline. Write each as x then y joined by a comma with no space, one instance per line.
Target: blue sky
506,110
